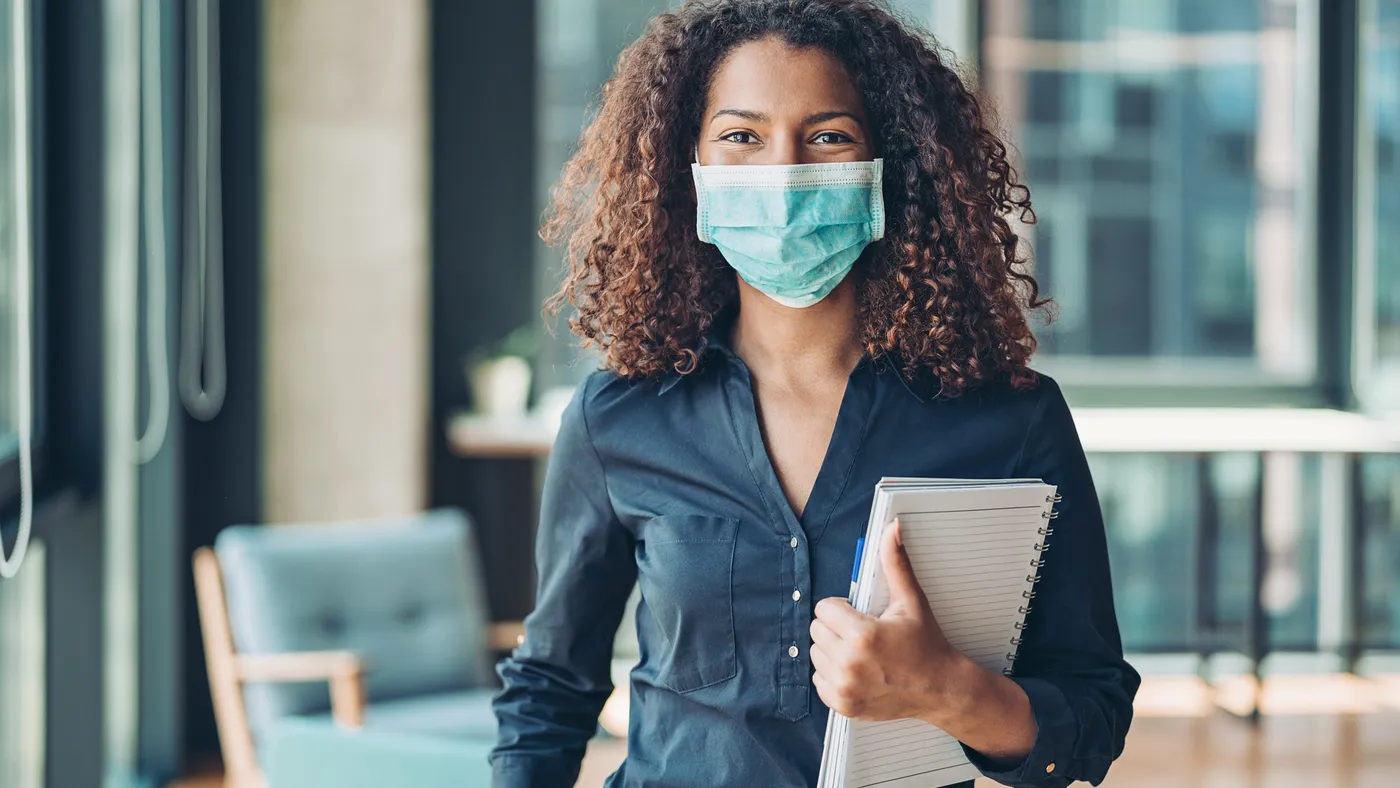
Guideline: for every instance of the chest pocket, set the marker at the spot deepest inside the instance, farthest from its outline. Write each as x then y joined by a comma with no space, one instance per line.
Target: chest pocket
685,566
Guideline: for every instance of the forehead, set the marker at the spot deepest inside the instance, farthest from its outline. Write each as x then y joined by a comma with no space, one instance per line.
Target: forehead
770,76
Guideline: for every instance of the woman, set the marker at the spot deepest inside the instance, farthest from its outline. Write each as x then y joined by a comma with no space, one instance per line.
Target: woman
787,233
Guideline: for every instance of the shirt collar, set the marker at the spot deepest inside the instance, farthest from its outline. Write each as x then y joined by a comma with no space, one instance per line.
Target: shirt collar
889,365
714,345
669,382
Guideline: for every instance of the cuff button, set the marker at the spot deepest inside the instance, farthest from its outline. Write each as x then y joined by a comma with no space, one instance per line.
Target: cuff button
1050,768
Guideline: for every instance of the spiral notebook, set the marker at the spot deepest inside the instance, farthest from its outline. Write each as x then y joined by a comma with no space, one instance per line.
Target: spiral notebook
976,547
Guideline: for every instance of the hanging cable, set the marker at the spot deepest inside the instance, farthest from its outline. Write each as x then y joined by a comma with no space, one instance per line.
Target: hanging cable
153,210
203,366
24,362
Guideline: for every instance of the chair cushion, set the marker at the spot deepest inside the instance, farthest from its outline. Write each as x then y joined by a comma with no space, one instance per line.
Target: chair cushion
406,595
465,714
303,752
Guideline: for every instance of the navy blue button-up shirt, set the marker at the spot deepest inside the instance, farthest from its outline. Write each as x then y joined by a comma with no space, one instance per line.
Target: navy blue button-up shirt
669,485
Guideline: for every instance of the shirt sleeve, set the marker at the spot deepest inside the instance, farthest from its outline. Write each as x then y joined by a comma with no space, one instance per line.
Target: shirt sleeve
1070,663
556,682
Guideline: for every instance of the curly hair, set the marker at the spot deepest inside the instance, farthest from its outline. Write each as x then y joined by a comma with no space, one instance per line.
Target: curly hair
944,296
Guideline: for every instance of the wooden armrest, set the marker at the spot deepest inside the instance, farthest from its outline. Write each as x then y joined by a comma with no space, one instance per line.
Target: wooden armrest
342,669
296,665
505,635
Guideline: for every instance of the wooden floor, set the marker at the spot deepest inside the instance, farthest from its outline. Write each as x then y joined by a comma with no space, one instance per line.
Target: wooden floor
1343,751
1318,732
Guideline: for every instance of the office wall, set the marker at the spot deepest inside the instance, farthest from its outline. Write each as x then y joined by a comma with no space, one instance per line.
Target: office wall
346,242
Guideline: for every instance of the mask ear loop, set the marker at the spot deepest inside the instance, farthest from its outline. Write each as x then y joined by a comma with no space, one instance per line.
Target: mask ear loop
877,201
702,204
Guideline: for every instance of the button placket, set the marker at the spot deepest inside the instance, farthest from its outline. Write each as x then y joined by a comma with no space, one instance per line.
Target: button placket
793,672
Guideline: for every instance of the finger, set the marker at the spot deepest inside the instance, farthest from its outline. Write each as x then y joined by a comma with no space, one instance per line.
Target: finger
826,690
826,687
822,663
839,616
824,637
905,594
823,687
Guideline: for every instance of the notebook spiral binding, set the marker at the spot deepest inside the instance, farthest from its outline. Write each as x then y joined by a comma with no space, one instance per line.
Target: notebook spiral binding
1029,594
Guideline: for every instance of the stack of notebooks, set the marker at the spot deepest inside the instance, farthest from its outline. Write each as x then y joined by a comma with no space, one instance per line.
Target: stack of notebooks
976,547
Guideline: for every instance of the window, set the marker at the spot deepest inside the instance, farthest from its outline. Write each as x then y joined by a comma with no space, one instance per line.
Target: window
1378,176
578,45
1167,149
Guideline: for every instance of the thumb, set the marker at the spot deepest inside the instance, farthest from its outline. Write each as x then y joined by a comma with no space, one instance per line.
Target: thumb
906,597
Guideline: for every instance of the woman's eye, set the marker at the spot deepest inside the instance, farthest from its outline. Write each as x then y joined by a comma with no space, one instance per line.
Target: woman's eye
741,137
831,138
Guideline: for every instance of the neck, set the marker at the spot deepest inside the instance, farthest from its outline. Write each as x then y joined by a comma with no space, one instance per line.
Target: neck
780,341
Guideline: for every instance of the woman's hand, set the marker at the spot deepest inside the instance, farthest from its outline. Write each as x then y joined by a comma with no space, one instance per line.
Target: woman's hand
897,665
900,666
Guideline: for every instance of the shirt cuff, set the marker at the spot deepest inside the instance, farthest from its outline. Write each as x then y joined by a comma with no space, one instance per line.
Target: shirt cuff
530,771
1048,762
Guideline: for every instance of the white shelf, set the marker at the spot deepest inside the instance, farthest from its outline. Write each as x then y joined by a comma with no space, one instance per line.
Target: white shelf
1101,430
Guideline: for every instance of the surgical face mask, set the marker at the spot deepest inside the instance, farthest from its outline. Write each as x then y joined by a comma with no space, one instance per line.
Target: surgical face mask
793,231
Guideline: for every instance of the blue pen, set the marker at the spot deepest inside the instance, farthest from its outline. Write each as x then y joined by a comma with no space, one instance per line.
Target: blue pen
855,569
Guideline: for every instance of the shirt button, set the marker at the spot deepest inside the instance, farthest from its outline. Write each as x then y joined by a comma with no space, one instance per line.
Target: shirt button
792,651
796,595
1050,768
793,543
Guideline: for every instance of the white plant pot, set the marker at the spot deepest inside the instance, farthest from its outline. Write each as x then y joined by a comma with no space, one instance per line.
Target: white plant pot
501,386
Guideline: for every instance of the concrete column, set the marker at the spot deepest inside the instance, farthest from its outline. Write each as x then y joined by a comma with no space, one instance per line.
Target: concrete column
347,258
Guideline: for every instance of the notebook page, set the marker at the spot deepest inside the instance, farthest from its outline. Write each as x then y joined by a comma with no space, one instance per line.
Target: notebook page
890,482
972,552
881,514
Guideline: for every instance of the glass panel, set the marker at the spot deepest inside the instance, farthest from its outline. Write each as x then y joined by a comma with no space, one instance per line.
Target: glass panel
1161,141
1149,507
1292,521
1153,508
1382,106
8,212
1380,521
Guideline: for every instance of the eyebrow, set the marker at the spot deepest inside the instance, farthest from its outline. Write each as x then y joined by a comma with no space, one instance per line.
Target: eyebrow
822,117
759,117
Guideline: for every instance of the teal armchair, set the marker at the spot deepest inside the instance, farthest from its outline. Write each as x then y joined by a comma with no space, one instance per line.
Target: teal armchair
368,636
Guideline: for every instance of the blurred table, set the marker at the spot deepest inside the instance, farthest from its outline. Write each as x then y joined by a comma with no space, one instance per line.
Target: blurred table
495,437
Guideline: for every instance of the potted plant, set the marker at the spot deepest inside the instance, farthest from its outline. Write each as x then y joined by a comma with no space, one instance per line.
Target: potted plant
498,374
